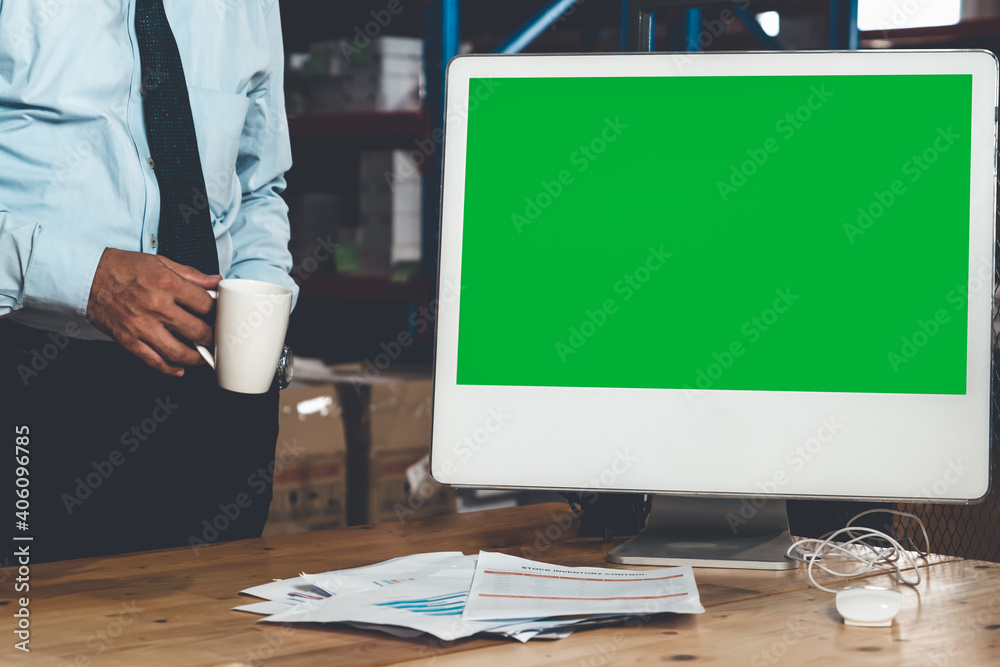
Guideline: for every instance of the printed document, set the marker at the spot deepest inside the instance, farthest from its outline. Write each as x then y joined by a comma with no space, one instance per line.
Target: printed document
508,587
451,595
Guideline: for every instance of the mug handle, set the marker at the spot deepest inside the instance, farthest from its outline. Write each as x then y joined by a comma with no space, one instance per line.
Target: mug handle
202,350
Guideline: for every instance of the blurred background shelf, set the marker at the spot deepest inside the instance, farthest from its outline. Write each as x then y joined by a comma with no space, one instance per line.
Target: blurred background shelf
415,290
353,124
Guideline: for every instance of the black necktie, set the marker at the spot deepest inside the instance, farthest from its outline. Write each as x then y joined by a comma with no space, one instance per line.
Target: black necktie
185,233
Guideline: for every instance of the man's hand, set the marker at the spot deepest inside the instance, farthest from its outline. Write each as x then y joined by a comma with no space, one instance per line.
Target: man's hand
139,300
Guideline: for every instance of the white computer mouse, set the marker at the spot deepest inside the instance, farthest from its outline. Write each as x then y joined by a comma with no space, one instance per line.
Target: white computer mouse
869,605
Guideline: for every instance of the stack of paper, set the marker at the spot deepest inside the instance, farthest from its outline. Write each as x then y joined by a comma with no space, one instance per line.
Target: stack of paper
451,595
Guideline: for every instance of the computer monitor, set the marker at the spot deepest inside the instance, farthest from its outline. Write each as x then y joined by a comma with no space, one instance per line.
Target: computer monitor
725,279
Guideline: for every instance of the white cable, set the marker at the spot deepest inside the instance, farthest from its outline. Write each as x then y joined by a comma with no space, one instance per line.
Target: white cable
883,558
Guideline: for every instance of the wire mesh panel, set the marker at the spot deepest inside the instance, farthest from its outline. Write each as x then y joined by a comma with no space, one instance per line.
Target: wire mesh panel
969,531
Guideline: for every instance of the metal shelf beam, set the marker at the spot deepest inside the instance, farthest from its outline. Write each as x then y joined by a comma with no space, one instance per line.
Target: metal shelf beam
535,26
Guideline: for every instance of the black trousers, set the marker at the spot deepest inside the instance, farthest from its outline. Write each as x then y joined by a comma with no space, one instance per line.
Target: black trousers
121,458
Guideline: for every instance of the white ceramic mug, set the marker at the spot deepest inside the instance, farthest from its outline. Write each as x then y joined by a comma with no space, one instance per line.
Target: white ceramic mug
250,323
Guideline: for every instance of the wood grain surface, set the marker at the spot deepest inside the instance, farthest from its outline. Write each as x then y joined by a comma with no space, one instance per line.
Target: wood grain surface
173,607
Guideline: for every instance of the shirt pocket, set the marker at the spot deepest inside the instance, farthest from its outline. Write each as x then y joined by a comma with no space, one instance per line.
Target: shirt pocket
218,122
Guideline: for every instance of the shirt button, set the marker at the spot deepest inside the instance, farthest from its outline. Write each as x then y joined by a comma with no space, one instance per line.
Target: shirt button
142,90
150,163
152,241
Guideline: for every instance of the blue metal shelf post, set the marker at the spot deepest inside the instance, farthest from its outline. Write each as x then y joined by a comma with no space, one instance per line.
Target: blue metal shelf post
441,44
844,24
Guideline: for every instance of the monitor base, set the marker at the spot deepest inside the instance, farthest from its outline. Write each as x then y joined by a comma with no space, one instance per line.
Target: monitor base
743,533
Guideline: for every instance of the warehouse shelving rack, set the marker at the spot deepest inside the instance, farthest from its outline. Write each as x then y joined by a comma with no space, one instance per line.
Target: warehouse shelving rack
638,28
441,44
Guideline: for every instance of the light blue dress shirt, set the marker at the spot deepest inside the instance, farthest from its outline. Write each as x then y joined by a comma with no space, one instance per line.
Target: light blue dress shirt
75,169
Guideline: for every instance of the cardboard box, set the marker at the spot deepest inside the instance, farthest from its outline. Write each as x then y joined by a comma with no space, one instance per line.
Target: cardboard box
324,494
401,413
388,422
400,417
393,496
310,480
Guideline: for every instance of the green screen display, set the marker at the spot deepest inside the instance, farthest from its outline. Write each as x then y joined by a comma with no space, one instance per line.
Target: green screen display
790,233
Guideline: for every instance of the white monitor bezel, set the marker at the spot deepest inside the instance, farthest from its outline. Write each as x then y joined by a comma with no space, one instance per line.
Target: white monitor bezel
489,436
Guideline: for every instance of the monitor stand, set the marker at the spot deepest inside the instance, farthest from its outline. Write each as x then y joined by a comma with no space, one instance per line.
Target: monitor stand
747,533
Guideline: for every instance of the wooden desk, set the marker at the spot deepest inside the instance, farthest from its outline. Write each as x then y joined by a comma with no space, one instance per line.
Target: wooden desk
172,607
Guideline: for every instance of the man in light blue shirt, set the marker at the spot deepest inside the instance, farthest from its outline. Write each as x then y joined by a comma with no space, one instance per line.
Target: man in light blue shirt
85,301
